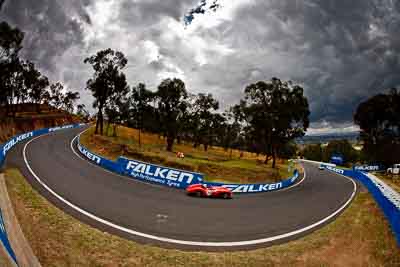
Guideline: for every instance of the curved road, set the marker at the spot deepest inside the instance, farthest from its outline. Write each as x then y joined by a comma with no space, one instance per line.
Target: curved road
166,216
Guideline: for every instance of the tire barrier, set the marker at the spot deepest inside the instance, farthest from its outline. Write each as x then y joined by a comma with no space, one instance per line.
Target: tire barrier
181,179
387,198
4,149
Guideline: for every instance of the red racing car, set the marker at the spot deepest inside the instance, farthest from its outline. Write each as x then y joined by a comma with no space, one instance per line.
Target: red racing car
203,190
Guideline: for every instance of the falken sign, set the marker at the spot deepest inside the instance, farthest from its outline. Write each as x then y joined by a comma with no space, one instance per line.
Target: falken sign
4,149
11,143
387,198
159,174
368,168
151,173
339,171
89,155
15,141
253,188
259,188
62,128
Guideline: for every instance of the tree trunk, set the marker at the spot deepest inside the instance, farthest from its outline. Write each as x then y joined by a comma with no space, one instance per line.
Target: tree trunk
108,128
266,159
115,130
101,124
179,140
140,140
14,110
170,143
273,158
97,124
205,147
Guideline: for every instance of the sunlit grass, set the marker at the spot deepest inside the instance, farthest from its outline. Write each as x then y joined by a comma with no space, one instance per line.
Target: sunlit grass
217,163
359,237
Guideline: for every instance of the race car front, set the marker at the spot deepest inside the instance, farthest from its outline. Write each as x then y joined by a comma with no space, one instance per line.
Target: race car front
204,190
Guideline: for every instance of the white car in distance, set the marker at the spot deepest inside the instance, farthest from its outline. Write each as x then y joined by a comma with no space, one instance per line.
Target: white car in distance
394,170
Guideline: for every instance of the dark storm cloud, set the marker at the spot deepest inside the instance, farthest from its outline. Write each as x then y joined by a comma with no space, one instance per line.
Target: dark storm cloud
342,52
151,11
50,26
362,37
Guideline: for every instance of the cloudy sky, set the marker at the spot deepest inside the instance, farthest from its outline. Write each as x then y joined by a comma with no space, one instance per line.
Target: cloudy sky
340,51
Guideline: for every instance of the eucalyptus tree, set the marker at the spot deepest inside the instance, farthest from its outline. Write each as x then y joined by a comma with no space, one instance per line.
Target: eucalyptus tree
203,118
56,95
379,121
108,80
69,101
10,45
232,128
140,100
278,112
82,112
172,105
117,107
36,84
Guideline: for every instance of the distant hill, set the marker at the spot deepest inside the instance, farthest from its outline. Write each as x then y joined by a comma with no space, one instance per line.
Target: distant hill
325,138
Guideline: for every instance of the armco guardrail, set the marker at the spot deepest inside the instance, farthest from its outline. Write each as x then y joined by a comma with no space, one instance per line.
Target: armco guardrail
387,198
4,149
181,179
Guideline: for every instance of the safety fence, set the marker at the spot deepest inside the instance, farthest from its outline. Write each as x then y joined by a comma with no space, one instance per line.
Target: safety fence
4,149
387,198
181,179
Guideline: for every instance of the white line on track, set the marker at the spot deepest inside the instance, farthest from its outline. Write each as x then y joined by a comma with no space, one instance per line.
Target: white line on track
184,242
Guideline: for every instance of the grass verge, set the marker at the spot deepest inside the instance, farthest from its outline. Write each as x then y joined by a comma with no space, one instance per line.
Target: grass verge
216,163
359,237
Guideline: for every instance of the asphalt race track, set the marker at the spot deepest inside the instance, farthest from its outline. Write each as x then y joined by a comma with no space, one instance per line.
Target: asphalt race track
166,217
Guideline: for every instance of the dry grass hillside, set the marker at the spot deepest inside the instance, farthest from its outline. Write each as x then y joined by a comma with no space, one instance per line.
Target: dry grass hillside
27,119
216,163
